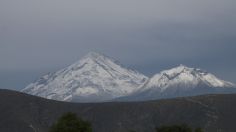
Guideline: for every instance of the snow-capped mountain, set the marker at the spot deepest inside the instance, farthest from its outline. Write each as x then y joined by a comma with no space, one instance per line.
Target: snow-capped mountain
185,77
181,81
95,78
98,78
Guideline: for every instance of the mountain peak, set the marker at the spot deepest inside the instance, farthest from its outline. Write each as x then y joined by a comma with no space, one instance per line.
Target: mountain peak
186,77
91,59
96,58
94,78
186,71
183,68
177,69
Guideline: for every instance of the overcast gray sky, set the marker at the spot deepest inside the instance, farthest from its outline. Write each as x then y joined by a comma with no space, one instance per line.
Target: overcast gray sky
40,36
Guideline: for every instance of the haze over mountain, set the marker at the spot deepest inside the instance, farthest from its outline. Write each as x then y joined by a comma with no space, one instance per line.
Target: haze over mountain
98,78
37,37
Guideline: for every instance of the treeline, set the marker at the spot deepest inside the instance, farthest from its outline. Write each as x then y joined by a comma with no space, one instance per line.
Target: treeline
177,128
69,122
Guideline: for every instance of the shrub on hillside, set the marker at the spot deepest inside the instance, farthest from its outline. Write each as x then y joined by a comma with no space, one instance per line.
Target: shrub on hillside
69,122
177,128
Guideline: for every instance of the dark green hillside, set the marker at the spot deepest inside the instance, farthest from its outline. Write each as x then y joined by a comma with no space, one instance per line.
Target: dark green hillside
24,113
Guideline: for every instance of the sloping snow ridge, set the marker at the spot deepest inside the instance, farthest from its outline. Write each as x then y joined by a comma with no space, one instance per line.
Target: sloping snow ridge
94,78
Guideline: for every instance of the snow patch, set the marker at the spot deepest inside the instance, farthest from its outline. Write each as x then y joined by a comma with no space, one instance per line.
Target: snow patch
86,91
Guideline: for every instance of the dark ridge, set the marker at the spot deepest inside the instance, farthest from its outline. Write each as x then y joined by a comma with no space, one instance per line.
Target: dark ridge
20,112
